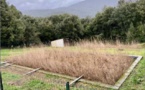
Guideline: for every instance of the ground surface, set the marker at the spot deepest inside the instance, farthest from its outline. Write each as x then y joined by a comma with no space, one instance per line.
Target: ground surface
13,78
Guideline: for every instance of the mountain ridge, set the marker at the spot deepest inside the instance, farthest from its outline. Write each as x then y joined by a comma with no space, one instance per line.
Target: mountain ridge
82,9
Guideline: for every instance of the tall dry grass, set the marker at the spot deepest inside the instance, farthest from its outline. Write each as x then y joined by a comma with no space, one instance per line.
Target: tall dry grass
94,66
107,44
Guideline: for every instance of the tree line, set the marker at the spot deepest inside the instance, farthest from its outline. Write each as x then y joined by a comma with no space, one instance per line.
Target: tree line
125,22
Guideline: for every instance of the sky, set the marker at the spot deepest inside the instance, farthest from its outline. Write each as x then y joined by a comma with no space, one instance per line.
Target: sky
24,5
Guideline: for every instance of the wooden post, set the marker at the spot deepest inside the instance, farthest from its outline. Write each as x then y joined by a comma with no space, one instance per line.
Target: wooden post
67,86
6,65
77,79
32,71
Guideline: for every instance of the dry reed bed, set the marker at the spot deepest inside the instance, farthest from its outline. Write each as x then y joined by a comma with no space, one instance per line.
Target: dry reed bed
94,66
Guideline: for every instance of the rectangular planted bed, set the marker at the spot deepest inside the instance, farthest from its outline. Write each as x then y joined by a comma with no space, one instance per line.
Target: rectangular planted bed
98,69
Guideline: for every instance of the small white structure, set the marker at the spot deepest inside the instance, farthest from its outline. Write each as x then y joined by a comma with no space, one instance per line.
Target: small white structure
57,43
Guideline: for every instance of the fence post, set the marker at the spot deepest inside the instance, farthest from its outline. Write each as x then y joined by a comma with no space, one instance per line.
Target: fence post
67,86
1,84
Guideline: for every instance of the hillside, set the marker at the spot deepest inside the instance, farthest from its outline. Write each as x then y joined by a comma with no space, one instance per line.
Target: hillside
81,9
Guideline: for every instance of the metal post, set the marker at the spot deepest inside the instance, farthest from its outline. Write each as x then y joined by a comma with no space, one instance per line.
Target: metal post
1,84
67,86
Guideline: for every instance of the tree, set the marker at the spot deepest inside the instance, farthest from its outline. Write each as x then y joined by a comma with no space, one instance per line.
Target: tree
140,33
121,2
47,30
102,25
12,26
86,23
66,26
71,28
140,9
31,34
131,33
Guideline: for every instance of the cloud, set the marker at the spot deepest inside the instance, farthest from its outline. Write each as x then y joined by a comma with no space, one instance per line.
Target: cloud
40,0
41,4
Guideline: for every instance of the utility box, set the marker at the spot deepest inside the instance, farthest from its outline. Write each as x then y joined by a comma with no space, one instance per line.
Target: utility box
57,43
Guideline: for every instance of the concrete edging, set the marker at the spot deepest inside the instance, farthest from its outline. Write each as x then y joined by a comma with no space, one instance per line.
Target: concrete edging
128,72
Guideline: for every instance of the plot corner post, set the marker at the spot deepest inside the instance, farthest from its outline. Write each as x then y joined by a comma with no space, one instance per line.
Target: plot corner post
1,84
67,86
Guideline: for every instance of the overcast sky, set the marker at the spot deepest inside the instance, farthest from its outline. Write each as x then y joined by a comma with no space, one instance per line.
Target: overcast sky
41,4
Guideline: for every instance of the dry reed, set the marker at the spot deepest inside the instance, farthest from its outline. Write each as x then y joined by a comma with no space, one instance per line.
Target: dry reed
94,66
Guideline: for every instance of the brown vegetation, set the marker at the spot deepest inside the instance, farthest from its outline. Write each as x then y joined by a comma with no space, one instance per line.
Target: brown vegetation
106,44
94,66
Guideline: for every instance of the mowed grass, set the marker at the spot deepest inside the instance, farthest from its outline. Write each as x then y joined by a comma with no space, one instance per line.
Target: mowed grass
136,80
32,84
8,52
10,79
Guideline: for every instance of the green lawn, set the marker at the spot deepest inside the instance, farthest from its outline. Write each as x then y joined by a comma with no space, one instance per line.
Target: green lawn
7,52
136,80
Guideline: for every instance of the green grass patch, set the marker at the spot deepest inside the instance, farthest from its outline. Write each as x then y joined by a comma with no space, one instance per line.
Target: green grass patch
8,77
136,80
39,85
50,76
12,52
